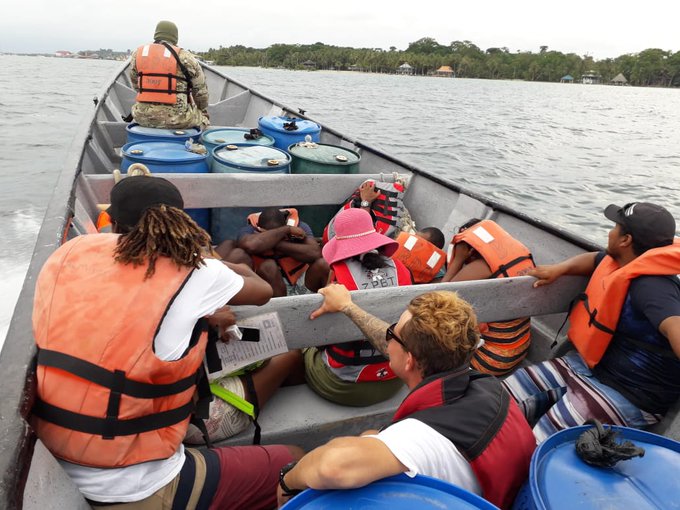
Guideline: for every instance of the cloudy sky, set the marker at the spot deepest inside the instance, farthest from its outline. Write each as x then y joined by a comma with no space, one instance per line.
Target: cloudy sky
600,28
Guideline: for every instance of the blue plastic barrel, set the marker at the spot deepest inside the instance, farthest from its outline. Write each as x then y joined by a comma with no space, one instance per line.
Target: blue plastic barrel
239,158
394,493
284,137
215,136
137,133
560,480
169,158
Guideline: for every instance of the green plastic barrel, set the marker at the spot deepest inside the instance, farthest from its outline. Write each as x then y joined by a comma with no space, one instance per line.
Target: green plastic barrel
240,158
319,158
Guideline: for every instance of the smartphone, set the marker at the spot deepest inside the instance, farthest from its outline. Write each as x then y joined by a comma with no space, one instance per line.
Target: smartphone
249,334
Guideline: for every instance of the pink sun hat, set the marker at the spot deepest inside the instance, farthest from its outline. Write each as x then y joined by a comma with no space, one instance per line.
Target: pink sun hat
354,235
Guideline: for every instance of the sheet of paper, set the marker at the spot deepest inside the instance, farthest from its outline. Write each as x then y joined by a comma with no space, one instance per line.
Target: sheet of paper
238,354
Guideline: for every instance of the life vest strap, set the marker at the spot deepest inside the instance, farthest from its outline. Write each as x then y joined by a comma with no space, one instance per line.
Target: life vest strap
112,380
233,399
169,76
183,68
109,428
212,357
592,314
252,393
503,269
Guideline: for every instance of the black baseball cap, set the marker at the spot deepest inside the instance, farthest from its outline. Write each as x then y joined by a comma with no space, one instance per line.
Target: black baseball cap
650,225
134,195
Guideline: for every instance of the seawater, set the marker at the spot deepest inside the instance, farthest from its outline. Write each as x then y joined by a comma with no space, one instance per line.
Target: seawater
553,151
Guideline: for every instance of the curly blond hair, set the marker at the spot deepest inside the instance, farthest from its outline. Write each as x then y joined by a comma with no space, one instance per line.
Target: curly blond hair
442,333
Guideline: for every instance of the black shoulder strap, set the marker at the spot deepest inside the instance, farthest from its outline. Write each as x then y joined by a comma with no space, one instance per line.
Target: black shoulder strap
185,71
503,269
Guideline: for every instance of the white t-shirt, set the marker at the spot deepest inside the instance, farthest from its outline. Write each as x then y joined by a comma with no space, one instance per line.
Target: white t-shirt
425,451
208,288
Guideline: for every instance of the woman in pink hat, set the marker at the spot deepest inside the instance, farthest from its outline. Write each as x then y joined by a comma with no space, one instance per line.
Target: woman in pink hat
355,373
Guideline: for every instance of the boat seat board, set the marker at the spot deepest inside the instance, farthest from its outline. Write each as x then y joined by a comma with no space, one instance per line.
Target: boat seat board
246,190
296,415
501,299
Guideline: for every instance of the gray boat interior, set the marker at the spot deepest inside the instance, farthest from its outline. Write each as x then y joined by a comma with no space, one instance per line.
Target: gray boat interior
31,478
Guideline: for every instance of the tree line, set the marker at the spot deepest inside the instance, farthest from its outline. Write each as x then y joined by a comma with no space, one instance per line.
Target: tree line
650,67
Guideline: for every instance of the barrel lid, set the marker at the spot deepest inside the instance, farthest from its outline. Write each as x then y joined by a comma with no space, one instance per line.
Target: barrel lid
160,151
170,133
394,493
251,156
220,135
560,480
324,153
276,124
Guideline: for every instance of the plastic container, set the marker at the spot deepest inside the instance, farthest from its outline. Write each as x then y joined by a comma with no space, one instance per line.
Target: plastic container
137,133
169,158
239,158
393,493
318,158
560,480
213,137
284,138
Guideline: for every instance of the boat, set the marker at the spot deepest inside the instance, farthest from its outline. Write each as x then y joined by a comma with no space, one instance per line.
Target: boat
31,477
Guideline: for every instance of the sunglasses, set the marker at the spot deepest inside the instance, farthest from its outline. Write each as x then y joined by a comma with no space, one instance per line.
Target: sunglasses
391,335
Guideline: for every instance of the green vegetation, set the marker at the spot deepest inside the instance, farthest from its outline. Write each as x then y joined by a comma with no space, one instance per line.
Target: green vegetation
651,67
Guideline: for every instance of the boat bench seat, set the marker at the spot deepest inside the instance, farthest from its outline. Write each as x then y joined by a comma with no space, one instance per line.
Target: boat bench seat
244,190
296,415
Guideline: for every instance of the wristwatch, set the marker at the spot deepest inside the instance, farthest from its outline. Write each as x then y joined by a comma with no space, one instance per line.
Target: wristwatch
287,491
365,203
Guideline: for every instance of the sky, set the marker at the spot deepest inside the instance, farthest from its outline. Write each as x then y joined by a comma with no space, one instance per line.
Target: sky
599,28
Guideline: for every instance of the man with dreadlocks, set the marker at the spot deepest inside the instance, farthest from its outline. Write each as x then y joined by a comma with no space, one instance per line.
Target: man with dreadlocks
118,320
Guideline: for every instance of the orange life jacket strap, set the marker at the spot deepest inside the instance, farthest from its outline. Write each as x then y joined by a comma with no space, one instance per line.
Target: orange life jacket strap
503,269
108,379
169,76
110,426
592,314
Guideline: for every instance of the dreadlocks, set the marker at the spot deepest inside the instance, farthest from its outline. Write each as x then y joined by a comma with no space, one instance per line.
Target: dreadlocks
163,231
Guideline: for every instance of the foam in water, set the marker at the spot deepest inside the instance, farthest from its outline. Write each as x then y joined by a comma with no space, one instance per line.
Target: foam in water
21,230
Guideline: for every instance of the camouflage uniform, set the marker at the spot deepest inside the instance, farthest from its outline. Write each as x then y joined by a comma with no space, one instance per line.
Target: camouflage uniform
179,115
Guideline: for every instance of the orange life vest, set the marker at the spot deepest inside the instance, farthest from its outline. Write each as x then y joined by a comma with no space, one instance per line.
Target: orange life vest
595,314
291,268
156,66
504,254
506,343
104,222
387,209
358,361
421,257
103,397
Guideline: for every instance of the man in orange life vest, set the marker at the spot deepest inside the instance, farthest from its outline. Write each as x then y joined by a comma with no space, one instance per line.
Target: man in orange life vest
118,320
483,250
625,327
171,86
281,249
487,452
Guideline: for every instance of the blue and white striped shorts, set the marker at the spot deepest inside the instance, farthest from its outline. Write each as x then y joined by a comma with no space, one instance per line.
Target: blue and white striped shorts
562,393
